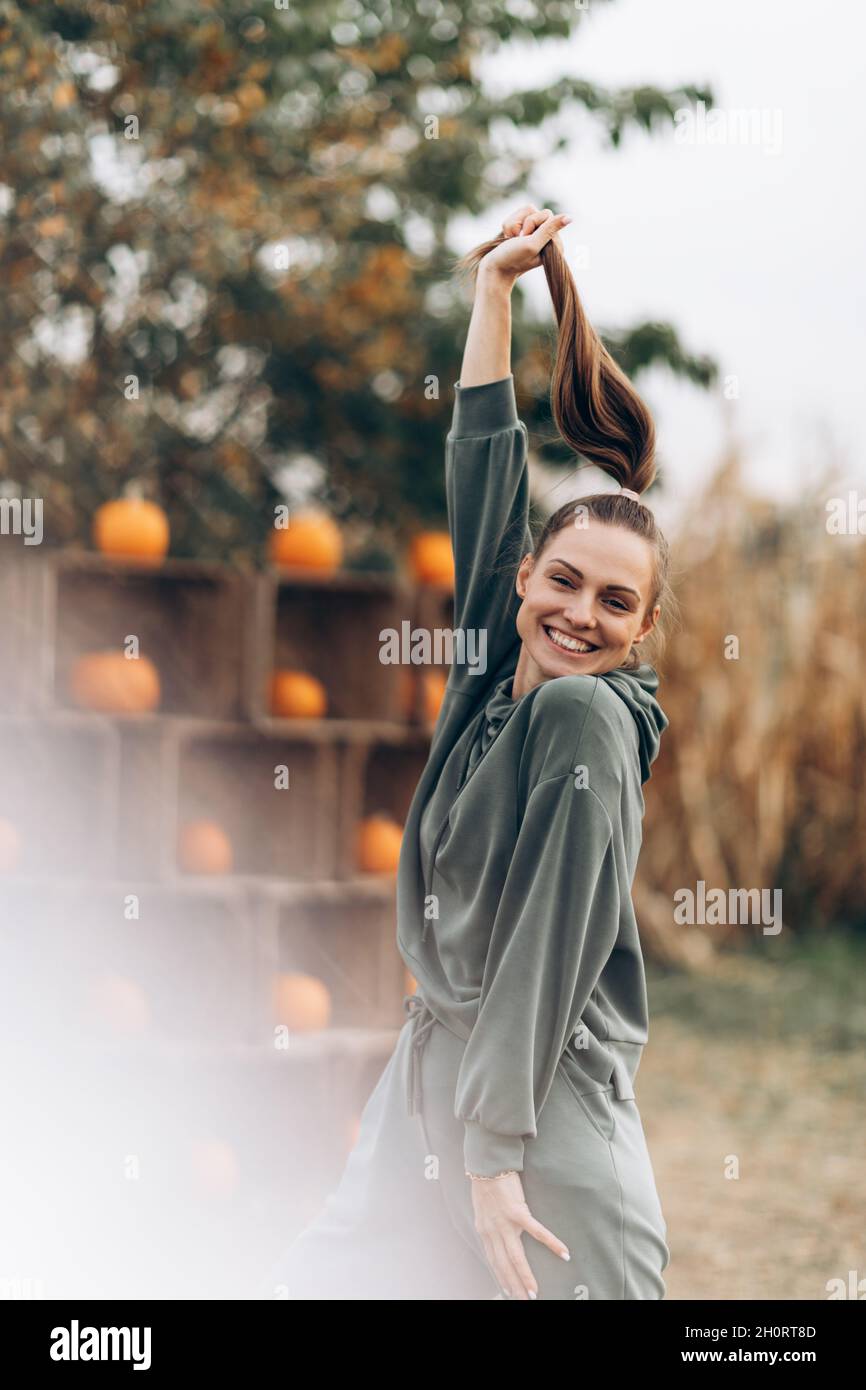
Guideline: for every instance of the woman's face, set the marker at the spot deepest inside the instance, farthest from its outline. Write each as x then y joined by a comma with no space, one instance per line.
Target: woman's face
584,599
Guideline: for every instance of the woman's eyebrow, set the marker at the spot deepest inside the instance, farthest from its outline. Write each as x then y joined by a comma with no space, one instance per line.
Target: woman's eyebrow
624,587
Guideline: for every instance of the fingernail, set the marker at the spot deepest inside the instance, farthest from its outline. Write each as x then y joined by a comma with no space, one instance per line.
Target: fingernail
565,221
565,1255
505,1293
532,1293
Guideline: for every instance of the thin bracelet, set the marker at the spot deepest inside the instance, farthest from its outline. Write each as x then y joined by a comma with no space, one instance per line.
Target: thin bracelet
489,1177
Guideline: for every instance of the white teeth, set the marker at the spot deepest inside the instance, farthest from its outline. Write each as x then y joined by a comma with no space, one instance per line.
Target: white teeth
570,643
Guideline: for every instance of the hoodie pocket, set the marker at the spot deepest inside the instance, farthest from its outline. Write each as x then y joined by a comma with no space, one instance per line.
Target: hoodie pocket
596,1106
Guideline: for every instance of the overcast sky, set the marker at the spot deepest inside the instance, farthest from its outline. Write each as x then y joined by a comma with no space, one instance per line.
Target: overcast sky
754,250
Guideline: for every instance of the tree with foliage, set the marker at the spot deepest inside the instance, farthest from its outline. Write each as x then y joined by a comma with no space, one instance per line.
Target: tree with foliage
224,237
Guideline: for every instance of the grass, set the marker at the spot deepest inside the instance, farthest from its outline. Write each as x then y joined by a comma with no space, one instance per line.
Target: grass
751,1093
777,991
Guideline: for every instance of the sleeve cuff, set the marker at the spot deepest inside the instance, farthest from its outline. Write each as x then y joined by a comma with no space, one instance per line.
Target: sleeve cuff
484,409
488,1153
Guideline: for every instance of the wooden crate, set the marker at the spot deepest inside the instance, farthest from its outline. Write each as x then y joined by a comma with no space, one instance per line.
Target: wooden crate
432,611
391,774
344,936
99,800
184,953
146,798
378,774
227,774
23,642
59,790
188,617
329,626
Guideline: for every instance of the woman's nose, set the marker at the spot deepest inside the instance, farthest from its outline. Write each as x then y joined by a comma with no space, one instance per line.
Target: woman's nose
579,613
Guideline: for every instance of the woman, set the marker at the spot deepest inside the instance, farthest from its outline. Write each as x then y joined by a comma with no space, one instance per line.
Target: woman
507,1109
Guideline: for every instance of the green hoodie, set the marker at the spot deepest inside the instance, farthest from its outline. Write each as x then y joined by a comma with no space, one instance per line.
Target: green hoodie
514,908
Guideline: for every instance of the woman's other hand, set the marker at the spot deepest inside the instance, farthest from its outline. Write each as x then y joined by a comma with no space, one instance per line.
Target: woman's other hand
525,233
501,1215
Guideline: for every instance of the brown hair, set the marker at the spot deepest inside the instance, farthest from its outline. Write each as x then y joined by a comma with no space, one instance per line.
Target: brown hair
600,415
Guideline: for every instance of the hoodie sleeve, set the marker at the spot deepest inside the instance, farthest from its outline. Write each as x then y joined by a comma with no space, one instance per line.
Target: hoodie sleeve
487,489
556,924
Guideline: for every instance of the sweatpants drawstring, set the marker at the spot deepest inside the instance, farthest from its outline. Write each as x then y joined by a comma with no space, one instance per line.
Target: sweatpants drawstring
423,1021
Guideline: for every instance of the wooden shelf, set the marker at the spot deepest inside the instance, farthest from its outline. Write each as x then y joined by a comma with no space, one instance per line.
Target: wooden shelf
330,1043
363,887
346,730
98,799
343,581
358,731
379,888
94,562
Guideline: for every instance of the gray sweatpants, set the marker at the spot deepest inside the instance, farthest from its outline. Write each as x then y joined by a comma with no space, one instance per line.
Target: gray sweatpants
400,1225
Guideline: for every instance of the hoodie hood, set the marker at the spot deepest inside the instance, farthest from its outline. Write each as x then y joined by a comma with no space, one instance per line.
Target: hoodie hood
637,689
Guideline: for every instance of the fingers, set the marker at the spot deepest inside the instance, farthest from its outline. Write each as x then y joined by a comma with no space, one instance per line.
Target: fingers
525,220
546,229
502,1215
513,225
497,1258
541,1233
493,1259
539,223
520,1265
507,1259
535,219
505,1266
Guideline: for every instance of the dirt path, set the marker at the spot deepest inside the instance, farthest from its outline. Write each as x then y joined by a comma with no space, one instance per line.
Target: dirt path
790,1119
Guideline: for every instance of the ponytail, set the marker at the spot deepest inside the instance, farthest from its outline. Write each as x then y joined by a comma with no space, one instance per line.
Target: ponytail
597,410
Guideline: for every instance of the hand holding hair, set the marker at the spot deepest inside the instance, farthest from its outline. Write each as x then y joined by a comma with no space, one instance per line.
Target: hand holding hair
596,409
522,240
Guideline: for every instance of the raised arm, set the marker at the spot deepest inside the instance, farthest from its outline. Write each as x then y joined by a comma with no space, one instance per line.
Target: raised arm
487,486
487,354
485,463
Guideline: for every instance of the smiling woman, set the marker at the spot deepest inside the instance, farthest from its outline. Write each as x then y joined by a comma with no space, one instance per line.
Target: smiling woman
507,1110
588,619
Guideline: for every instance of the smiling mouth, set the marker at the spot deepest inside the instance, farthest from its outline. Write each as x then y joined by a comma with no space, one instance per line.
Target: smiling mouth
575,646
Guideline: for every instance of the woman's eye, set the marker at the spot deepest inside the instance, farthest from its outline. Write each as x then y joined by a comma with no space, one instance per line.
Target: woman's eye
618,603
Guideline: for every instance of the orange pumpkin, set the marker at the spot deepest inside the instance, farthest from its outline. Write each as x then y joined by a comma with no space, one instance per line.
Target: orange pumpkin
10,847
432,684
111,683
121,1003
204,848
297,695
431,558
432,691
131,527
301,1002
378,844
312,540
